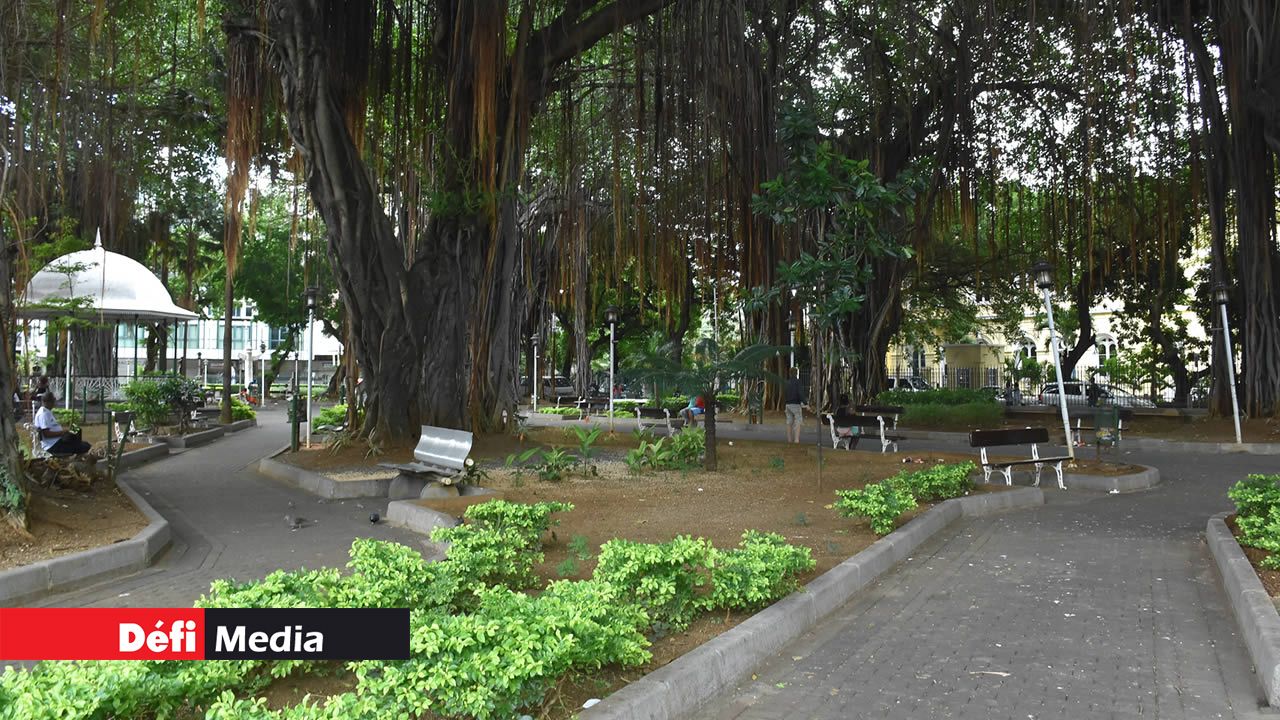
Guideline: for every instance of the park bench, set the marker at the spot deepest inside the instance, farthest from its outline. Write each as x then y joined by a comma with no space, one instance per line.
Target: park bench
1026,436
441,454
1107,425
567,400
37,449
891,412
593,403
649,418
863,423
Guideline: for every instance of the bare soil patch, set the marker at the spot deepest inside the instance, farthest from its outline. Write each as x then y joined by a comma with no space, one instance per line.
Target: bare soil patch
65,521
1205,429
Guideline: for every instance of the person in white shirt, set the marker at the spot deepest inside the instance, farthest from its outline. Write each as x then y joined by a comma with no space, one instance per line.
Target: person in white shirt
53,438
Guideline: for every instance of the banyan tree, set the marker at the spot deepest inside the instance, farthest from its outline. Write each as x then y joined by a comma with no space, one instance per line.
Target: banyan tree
480,165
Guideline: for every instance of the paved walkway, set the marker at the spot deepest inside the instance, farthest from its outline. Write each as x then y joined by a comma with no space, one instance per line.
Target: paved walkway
1093,606
228,522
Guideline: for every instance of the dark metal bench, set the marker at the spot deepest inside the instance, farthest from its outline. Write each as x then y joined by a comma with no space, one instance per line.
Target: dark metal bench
890,412
1027,436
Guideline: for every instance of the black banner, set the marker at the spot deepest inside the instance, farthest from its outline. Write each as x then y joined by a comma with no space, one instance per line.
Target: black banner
306,634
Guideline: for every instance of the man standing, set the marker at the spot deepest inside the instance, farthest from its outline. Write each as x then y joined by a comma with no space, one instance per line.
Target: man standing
795,406
53,438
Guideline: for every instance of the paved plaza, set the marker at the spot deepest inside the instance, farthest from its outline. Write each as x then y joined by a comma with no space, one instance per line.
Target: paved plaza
1092,606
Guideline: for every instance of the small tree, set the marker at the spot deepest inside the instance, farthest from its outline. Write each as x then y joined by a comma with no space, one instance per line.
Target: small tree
703,373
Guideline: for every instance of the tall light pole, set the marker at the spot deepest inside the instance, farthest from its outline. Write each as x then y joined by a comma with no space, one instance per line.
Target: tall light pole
262,376
611,316
791,341
534,380
312,295
1221,295
1044,280
204,370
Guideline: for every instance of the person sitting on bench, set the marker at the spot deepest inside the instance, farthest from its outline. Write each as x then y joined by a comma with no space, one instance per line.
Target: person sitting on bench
53,438
843,419
697,406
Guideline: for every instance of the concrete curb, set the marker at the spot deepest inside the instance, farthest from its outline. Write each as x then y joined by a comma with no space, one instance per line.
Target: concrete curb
190,440
322,485
680,687
1148,478
239,425
29,582
1255,613
142,456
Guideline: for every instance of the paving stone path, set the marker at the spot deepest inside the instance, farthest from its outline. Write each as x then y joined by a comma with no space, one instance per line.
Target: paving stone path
1093,606
229,522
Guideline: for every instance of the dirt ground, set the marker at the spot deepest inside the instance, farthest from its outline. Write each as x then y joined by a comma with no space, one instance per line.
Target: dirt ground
95,435
1205,429
67,521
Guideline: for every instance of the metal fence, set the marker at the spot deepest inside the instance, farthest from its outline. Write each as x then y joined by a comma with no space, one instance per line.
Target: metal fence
1086,386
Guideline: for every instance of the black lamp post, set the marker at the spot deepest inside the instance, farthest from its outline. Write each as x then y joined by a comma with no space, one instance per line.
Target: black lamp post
1043,272
1221,296
791,337
611,315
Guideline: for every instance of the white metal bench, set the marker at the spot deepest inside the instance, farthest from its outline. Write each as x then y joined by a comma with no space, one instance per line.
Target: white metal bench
440,451
649,418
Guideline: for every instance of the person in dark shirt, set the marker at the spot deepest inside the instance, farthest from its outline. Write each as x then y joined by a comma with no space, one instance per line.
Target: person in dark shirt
843,421
794,396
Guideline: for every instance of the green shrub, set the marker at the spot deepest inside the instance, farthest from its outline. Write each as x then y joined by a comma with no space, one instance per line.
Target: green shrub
148,402
501,542
241,410
945,396
560,411
881,503
728,399
968,416
762,569
1257,500
668,580
478,650
331,417
940,482
681,452
69,418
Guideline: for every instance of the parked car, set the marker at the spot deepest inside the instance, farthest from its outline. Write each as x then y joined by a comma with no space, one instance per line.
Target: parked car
909,384
1077,394
1012,397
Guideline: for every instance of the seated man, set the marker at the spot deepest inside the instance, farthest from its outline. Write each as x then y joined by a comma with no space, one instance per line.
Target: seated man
53,438
695,408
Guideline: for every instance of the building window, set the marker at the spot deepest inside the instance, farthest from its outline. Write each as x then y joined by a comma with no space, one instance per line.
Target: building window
1107,348
1027,350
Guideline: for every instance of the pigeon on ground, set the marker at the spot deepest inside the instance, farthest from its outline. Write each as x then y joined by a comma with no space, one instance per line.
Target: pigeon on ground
296,523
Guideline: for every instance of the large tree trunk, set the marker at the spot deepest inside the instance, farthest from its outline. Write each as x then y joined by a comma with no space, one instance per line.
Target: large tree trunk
434,314
12,476
1249,59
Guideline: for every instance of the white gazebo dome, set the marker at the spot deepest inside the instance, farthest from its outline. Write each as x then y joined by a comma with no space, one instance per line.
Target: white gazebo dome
108,284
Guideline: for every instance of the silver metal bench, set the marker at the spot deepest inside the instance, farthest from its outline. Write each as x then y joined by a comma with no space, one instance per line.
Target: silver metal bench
440,451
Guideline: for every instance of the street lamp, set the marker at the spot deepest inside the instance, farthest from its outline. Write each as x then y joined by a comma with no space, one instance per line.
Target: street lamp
204,370
533,374
1221,296
791,335
611,314
1044,280
262,380
312,294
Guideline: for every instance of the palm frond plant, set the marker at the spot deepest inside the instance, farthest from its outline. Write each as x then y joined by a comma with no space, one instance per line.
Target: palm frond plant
703,373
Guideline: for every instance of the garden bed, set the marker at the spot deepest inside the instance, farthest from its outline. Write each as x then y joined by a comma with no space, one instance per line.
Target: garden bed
67,521
1270,578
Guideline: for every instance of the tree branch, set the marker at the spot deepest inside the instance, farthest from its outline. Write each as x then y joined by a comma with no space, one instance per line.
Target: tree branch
569,35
